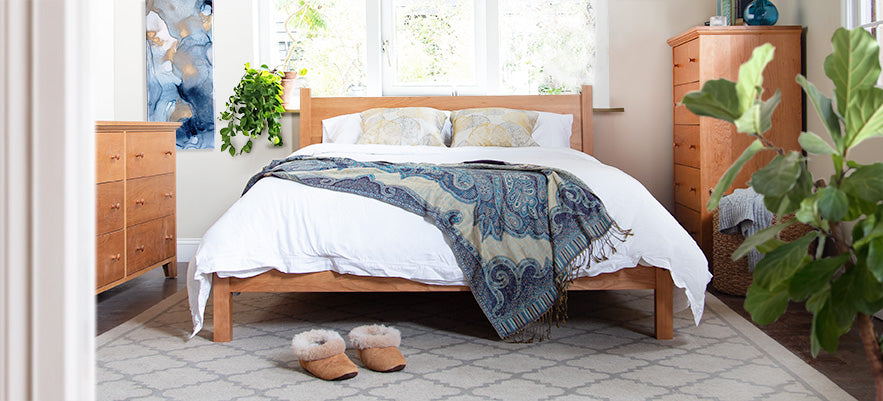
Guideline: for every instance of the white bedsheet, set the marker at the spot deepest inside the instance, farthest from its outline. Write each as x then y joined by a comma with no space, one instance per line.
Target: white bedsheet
294,228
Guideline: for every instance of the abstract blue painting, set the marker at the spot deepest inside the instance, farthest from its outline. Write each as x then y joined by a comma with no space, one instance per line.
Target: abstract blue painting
180,87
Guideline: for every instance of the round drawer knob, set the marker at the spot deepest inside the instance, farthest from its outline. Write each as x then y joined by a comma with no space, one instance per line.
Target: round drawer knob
140,248
115,206
139,154
139,202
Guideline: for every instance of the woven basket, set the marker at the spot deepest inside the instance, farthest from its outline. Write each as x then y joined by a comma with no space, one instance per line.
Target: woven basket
732,277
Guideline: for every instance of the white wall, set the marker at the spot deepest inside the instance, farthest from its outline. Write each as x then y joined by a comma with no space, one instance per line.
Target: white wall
637,141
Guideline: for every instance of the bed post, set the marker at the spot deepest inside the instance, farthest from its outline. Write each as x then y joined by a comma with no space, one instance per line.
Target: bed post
222,310
306,119
587,115
662,305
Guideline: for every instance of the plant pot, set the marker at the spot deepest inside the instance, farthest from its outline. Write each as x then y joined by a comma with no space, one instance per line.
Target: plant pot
291,85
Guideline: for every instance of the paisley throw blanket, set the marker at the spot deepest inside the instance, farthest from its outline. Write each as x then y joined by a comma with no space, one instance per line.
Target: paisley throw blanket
518,231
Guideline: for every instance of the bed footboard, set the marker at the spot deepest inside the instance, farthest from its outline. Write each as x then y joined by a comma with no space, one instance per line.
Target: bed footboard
640,277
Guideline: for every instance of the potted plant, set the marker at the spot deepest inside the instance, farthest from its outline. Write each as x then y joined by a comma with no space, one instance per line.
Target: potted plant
255,105
306,16
840,289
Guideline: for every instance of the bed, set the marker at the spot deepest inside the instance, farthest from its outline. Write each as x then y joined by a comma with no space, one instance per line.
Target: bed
660,258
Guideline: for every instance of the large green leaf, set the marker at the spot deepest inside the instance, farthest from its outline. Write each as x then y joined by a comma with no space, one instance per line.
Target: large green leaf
864,118
832,204
730,175
716,99
778,266
825,109
866,182
813,143
758,118
825,332
765,306
814,275
760,237
852,66
750,82
779,176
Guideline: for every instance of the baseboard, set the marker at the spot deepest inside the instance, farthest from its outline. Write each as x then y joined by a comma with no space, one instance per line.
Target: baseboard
187,248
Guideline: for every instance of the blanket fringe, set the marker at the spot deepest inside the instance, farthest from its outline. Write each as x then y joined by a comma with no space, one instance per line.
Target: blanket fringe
597,250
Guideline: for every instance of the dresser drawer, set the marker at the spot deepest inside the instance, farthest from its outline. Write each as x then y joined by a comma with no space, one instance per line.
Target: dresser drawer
686,185
149,198
149,153
690,219
109,161
144,245
686,145
170,237
686,62
109,201
681,114
110,258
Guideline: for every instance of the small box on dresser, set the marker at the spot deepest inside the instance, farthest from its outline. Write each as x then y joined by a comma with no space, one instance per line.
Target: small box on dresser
135,200
704,147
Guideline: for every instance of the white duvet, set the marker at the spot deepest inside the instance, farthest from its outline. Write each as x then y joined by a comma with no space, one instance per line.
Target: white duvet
283,225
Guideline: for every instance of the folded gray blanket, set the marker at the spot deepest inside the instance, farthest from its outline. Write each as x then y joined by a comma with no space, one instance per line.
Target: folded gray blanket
743,212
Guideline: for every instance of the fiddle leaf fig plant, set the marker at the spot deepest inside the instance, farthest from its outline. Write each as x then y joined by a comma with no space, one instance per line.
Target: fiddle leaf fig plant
840,289
256,104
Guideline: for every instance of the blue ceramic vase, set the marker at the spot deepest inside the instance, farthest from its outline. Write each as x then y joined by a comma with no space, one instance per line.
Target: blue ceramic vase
761,12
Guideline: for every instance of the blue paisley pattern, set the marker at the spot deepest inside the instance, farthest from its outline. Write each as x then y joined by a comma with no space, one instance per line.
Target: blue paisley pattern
514,229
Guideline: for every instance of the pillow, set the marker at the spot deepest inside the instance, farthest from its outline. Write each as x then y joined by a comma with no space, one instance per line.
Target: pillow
403,126
342,129
553,130
493,127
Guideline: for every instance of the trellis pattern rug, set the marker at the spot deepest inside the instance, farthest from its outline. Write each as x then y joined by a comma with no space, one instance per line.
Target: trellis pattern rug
605,352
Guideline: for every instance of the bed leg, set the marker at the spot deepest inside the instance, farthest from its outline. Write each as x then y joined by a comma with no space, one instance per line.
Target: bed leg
663,300
222,310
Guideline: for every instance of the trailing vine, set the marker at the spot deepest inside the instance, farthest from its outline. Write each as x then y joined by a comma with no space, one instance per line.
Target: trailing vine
256,104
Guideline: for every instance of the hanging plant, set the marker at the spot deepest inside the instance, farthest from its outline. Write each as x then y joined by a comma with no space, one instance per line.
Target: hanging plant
256,104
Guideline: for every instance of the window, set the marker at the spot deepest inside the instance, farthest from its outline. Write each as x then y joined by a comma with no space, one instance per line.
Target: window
867,14
434,47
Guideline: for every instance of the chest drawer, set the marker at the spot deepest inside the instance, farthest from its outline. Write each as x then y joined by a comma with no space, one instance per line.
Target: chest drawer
149,153
690,219
144,245
149,198
109,200
686,62
110,258
170,237
109,157
686,145
681,114
686,185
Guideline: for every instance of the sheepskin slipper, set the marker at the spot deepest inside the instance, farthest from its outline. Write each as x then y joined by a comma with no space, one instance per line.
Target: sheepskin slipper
321,352
377,347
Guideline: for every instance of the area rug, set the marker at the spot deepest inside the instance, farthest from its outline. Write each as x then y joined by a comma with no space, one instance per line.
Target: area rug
604,352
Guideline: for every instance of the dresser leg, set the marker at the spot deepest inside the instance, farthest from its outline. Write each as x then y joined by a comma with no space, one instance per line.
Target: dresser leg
170,269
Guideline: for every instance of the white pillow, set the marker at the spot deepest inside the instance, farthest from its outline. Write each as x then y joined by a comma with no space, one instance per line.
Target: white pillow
553,130
347,128
344,128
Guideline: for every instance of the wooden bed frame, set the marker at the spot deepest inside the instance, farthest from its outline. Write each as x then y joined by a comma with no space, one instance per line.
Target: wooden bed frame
315,109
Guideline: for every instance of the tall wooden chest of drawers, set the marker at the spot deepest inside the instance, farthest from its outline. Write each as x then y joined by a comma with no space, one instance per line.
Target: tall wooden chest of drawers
704,147
135,200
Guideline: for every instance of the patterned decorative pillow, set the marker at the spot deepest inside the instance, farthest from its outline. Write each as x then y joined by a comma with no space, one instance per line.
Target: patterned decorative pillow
403,126
493,127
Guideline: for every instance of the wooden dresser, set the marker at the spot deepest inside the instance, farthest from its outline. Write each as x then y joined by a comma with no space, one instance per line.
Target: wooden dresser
135,200
704,147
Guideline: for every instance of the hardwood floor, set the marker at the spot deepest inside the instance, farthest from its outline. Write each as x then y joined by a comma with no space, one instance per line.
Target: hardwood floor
848,367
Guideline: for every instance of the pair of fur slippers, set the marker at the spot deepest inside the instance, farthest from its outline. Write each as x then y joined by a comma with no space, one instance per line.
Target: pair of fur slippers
321,352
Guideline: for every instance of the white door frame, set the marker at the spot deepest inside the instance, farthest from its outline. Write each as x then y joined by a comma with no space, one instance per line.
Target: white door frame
47,212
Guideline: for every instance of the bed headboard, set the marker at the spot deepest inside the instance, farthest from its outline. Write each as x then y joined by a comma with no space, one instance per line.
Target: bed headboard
315,109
